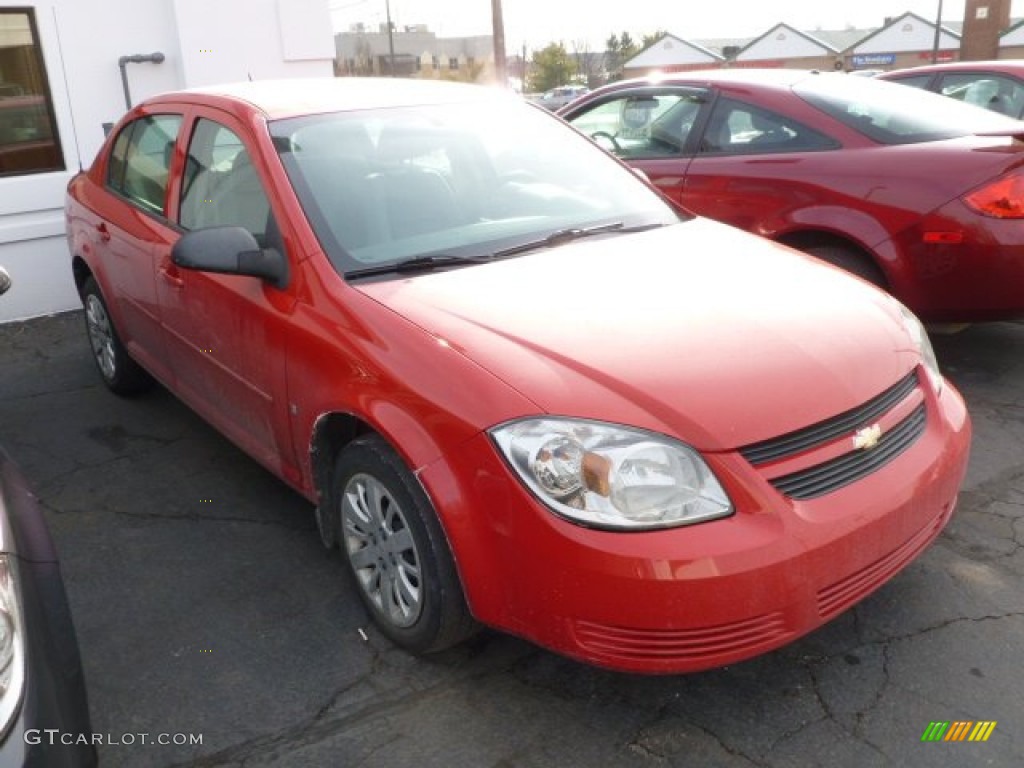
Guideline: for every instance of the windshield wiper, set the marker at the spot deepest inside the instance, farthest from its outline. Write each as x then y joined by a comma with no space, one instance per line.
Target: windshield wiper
561,236
429,262
417,264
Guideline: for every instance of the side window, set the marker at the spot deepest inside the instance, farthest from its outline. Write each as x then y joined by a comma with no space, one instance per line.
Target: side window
737,128
999,94
141,160
642,125
914,81
221,186
115,166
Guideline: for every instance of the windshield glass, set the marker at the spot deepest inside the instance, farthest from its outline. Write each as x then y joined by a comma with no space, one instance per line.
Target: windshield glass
386,185
890,113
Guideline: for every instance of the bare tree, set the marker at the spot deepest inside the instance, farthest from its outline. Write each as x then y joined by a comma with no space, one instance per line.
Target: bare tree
588,64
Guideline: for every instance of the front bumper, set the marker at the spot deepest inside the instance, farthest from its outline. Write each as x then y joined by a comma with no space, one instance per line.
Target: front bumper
701,596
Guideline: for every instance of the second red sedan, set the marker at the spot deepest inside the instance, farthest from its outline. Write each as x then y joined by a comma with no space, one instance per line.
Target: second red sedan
918,194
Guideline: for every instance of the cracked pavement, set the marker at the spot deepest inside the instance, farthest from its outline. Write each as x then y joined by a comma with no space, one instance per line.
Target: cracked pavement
204,603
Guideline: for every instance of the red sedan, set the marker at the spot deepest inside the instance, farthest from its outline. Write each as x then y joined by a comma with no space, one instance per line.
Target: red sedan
994,85
920,195
520,386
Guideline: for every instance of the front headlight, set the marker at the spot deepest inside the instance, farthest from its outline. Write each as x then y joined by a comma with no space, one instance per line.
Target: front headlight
920,338
608,476
12,644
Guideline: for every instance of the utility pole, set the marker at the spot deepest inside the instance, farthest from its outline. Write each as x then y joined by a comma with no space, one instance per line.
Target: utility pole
500,63
938,27
391,39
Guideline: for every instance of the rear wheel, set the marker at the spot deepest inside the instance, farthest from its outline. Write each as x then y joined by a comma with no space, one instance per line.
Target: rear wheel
397,551
119,371
851,260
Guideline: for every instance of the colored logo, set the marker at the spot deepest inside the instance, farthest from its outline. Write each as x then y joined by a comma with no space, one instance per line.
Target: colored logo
960,730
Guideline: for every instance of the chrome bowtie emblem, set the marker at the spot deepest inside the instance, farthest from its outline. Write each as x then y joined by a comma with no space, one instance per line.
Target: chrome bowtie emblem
867,438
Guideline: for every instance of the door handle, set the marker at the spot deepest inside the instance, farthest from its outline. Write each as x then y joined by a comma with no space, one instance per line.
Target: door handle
103,231
171,278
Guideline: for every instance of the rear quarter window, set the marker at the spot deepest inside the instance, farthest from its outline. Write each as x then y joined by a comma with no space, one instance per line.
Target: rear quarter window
889,113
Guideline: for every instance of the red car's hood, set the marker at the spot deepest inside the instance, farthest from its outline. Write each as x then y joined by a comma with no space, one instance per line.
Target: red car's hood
697,330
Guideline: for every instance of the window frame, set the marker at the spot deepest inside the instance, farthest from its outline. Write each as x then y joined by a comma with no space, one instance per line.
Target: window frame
39,61
195,123
129,129
702,96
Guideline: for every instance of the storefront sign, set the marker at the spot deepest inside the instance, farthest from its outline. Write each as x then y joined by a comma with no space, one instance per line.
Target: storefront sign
874,60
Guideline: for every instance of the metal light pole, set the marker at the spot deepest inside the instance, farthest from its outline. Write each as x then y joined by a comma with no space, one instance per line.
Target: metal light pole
391,40
938,25
498,24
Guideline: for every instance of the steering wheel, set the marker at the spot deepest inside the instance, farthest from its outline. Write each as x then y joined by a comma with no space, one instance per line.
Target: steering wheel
605,135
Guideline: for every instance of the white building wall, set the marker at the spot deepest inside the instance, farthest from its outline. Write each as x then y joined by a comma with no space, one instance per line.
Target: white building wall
1015,37
783,42
670,52
907,34
203,41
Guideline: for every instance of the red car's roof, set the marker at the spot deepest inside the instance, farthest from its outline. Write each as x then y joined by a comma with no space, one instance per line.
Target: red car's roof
1014,67
306,96
768,78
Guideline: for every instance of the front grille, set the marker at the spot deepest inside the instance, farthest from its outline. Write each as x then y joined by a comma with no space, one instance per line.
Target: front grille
832,475
826,431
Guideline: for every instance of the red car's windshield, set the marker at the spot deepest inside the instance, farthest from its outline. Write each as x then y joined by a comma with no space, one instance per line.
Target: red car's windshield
384,186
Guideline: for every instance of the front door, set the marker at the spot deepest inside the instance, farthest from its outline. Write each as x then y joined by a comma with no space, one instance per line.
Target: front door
226,334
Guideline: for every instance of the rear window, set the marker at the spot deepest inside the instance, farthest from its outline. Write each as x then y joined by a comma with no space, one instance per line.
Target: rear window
893,114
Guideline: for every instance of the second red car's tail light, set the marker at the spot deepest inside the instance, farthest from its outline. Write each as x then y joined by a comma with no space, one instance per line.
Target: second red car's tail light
1000,199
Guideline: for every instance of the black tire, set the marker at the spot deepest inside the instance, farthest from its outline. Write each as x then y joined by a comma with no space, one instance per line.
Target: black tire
851,260
396,550
119,371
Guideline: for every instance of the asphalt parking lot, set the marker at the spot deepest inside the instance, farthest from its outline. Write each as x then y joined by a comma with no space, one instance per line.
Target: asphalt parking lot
206,606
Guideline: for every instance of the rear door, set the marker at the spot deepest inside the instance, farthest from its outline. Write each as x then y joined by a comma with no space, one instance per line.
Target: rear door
134,231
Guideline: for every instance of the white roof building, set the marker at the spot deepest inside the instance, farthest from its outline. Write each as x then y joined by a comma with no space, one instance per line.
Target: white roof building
671,53
908,33
784,42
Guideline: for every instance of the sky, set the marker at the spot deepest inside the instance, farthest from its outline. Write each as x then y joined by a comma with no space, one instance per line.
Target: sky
535,23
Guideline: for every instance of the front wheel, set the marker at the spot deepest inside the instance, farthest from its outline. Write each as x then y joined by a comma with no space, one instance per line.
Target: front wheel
397,551
119,371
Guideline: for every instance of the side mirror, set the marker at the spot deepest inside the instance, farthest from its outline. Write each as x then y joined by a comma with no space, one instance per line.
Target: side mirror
230,251
5,281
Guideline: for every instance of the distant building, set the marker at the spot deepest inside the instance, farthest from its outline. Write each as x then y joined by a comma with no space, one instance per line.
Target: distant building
418,52
906,41
984,22
1011,42
902,41
672,54
784,46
